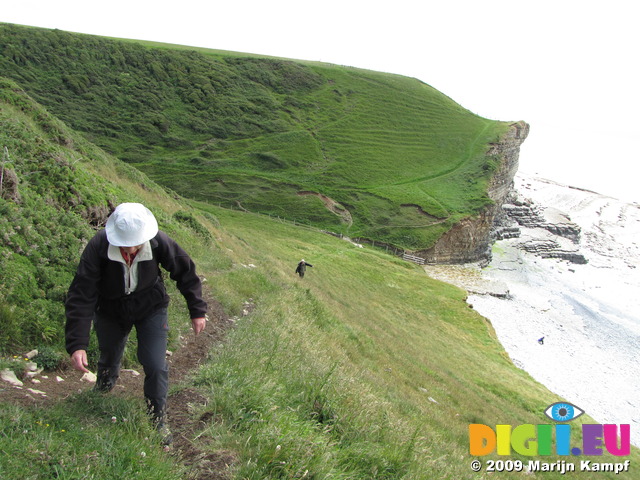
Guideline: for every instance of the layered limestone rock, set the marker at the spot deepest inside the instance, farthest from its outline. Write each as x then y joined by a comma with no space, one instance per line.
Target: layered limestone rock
470,239
546,232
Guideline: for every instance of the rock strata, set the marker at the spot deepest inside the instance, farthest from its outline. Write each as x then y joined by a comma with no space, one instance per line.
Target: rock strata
546,232
530,215
470,239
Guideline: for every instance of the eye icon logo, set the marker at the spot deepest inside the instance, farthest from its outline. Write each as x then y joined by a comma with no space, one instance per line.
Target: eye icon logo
563,412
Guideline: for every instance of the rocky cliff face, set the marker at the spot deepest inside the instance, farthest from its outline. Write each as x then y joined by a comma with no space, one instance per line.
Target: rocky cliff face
470,239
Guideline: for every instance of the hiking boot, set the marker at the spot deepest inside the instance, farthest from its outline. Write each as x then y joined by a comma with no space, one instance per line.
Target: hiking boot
105,381
157,411
166,437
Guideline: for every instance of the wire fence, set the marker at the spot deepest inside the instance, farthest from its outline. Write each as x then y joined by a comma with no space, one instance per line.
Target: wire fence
391,249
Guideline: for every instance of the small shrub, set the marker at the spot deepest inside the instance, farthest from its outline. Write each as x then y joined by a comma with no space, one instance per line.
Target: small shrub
48,358
191,222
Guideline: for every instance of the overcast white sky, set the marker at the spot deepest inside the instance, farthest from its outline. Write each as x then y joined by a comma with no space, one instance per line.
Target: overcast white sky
567,67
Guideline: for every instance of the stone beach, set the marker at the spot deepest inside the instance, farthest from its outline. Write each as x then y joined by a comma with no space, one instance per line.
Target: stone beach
569,275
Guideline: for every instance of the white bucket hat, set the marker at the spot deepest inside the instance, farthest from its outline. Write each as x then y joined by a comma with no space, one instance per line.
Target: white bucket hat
130,225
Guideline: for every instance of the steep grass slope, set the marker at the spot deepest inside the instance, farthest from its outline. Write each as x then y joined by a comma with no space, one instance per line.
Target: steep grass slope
364,369
57,190
268,135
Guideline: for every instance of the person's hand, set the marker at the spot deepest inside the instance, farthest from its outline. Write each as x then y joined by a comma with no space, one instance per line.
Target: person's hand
79,360
198,324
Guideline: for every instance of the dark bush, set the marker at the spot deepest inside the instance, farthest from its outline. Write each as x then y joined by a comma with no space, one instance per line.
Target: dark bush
191,222
48,358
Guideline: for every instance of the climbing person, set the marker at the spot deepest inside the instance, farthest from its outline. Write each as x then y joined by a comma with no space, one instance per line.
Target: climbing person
541,340
118,285
302,266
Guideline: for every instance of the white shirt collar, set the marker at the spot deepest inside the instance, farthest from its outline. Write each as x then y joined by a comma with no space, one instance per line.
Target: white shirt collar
143,254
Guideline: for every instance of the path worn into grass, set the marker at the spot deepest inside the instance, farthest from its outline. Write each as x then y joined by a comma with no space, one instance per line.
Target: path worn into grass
183,404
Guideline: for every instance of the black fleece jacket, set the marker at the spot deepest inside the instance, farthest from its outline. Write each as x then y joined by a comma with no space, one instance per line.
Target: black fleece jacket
99,286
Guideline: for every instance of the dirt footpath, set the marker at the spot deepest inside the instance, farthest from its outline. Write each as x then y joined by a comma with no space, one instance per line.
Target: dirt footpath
50,387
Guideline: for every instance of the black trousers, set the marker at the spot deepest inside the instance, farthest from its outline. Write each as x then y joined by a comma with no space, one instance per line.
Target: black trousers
112,334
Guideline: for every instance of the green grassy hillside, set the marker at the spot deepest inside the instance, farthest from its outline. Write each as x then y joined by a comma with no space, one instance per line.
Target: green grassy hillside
365,369
57,190
405,161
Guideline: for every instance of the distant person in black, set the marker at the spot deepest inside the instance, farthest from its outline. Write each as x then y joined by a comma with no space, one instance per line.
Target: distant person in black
302,266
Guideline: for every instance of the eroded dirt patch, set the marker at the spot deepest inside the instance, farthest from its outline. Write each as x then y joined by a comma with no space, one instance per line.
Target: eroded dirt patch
332,206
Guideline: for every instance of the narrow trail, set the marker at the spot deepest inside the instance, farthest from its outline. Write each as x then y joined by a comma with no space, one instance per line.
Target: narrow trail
182,405
463,161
